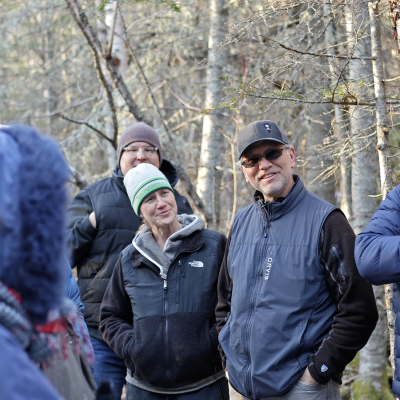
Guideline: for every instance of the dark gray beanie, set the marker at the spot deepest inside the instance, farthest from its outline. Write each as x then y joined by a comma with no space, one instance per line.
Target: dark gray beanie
139,132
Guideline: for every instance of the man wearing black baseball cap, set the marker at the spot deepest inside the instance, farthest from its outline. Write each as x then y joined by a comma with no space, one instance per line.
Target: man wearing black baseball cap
292,309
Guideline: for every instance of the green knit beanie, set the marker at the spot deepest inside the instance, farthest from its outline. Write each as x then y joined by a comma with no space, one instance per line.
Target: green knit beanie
142,181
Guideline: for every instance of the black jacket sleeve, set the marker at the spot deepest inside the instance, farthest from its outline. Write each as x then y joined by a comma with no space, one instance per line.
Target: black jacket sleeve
356,315
81,232
213,329
116,317
224,288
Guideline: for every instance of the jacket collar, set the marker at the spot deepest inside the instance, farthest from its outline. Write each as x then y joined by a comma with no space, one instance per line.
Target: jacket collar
275,209
190,244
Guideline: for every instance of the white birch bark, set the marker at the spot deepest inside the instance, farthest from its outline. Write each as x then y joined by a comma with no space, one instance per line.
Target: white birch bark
364,166
339,121
209,179
364,172
111,35
119,52
382,130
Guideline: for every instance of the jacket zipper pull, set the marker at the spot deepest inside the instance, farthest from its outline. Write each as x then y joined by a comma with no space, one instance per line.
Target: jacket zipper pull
180,267
165,288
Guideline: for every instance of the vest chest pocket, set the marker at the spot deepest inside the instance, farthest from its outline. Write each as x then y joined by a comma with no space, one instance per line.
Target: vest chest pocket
290,275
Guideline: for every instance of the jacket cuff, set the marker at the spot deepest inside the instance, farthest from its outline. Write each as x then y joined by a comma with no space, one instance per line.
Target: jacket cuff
312,368
88,227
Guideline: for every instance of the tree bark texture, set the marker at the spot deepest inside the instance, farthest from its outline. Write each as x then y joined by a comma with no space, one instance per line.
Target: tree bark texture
364,172
383,146
364,165
318,122
372,381
209,178
339,122
116,47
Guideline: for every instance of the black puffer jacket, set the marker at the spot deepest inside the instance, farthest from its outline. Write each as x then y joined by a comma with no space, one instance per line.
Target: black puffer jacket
95,251
165,330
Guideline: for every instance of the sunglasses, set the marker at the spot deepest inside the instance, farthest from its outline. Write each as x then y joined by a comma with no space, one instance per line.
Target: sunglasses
269,156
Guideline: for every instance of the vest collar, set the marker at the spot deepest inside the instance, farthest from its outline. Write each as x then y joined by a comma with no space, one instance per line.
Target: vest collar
275,209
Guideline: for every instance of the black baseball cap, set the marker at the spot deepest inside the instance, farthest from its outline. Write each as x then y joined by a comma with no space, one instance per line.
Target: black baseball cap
257,131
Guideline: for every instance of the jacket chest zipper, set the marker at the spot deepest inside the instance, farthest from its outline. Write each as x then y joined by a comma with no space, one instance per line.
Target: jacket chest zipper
252,306
166,347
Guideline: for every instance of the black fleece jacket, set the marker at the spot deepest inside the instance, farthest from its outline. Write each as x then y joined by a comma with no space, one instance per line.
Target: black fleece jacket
94,251
166,330
357,313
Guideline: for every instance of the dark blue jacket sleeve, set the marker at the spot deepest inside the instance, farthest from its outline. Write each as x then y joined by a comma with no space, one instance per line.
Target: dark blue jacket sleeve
72,292
377,250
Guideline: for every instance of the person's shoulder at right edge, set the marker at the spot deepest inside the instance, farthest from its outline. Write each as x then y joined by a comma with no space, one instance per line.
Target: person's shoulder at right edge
377,255
377,250
357,313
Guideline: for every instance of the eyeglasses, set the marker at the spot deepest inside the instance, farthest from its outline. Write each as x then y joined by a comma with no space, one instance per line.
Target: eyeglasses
270,155
148,152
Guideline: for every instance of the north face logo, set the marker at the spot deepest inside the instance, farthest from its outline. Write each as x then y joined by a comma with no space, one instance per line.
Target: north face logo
196,264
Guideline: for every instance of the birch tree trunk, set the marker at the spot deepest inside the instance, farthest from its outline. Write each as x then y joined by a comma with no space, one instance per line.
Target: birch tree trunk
209,179
371,382
339,122
114,43
382,130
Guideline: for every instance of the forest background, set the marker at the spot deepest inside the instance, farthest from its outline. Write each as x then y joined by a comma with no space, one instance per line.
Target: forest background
326,71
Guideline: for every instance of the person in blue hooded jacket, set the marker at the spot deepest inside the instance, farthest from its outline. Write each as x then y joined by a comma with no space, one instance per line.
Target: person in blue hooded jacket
378,259
32,279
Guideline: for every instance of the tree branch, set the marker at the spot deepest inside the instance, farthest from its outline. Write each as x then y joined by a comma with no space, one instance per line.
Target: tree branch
81,122
95,46
110,44
318,54
78,179
344,103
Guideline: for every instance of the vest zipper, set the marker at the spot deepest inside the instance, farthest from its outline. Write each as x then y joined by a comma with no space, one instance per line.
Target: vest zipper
166,347
252,306
268,215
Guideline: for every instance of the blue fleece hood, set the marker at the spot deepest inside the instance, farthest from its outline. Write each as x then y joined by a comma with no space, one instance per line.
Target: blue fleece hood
32,218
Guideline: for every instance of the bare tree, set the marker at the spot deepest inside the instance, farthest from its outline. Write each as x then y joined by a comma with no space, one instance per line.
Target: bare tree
209,178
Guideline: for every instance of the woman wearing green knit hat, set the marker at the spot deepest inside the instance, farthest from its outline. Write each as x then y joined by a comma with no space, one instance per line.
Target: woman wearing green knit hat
158,309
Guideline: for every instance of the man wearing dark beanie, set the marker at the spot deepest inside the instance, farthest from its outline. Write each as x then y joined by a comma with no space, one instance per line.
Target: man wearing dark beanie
101,223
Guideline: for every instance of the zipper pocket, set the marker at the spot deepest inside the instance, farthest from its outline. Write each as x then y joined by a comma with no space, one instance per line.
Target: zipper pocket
166,341
178,287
